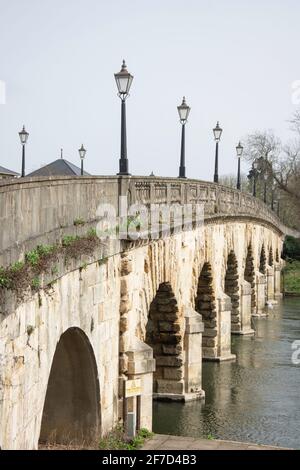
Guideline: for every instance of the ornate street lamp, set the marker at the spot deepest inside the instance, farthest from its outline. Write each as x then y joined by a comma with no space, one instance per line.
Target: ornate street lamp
278,205
183,111
82,153
217,134
254,174
273,195
239,153
23,138
266,177
123,81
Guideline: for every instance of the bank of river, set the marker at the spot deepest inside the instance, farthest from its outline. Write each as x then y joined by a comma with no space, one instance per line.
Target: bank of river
255,399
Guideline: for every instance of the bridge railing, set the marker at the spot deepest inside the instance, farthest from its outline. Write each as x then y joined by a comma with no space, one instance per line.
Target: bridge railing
41,210
217,200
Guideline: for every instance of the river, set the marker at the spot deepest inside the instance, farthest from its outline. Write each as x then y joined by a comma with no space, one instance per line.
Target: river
255,399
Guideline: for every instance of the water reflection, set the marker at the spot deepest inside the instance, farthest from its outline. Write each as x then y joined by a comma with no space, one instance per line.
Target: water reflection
255,399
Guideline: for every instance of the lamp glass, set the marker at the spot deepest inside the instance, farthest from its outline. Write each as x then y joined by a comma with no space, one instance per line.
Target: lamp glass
183,111
217,132
23,136
123,80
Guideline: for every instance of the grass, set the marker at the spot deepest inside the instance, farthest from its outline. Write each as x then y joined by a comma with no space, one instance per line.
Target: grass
43,259
78,221
115,440
292,277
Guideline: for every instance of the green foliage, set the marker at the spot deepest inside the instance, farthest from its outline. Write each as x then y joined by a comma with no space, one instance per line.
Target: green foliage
92,232
17,266
44,250
210,437
35,283
292,277
78,221
4,280
54,270
69,239
291,248
32,257
115,440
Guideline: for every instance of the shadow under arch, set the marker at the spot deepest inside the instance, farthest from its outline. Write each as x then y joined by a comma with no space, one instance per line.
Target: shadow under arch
249,275
205,304
263,261
72,405
165,336
232,289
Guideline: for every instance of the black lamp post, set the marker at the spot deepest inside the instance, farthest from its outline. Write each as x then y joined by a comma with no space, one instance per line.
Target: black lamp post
82,153
183,111
23,138
239,152
123,80
266,176
217,134
272,196
278,206
255,174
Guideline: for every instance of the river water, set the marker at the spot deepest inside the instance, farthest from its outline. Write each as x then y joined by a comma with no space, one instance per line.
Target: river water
255,399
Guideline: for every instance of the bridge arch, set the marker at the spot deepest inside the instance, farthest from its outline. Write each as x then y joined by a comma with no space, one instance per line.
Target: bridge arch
263,260
271,256
232,289
71,410
249,275
164,334
205,304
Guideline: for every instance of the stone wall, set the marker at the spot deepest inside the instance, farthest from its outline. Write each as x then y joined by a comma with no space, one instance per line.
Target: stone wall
42,210
110,297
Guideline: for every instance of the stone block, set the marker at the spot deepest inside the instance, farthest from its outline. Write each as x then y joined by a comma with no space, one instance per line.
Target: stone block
171,327
172,349
173,374
169,386
169,361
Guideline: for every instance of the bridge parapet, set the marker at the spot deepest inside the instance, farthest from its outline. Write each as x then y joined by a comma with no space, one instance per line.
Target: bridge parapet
41,210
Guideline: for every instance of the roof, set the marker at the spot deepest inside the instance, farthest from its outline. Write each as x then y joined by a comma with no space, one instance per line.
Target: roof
5,171
59,167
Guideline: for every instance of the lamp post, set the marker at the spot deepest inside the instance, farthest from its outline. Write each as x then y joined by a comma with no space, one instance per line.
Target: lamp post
272,196
23,138
123,81
255,173
265,187
183,111
278,206
239,152
217,134
82,153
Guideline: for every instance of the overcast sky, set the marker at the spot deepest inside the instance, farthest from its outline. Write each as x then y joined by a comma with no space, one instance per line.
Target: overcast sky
234,60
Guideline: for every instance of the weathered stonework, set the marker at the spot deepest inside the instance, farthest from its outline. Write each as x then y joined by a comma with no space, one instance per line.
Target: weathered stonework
145,309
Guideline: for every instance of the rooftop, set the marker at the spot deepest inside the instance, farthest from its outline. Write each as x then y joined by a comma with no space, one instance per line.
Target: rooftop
60,167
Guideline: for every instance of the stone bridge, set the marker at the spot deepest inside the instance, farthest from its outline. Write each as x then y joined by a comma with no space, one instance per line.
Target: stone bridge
81,316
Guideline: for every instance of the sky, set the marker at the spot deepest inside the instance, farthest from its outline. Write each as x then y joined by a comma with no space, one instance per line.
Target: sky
236,61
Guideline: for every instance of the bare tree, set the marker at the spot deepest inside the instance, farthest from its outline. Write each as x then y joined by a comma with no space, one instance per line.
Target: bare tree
262,144
282,164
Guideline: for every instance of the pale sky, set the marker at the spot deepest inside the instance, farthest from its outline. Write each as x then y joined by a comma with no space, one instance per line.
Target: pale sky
234,60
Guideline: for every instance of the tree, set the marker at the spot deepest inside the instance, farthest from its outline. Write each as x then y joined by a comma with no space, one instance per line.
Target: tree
281,163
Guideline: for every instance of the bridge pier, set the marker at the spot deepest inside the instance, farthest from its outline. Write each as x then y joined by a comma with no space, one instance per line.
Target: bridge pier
270,285
246,306
141,365
217,341
260,310
277,282
193,356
